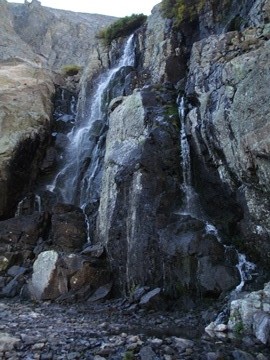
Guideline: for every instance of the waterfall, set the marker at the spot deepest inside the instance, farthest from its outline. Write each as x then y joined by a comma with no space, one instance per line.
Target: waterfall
246,268
191,203
74,182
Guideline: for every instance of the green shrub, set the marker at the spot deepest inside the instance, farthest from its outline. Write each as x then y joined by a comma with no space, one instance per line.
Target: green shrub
121,27
71,69
181,10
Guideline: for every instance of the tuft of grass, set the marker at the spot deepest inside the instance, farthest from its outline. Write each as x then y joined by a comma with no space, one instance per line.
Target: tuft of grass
71,69
122,27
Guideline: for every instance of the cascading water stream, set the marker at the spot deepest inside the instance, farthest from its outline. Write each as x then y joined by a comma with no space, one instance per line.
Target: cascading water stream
73,183
192,205
79,180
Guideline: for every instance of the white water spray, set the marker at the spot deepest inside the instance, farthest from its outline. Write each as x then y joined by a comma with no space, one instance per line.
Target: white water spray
74,181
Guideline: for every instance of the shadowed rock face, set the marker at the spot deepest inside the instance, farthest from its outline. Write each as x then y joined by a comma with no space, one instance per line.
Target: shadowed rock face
25,112
146,243
229,127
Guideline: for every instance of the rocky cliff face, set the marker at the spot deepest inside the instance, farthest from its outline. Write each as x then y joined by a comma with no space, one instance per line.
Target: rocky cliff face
32,43
25,119
223,81
174,164
228,124
58,37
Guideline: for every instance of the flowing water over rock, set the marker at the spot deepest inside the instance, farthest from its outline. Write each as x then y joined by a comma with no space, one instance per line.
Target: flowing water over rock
74,182
192,204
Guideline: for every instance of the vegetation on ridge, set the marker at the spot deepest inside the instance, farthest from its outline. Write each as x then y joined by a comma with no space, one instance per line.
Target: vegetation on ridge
121,27
180,10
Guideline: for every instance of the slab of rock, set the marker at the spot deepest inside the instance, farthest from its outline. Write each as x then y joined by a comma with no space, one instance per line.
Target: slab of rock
47,281
261,326
96,250
101,293
252,314
8,342
147,353
150,298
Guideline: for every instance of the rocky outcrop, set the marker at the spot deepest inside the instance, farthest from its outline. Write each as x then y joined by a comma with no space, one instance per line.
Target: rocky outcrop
58,37
145,243
128,171
25,121
252,314
12,46
228,124
133,159
32,45
66,278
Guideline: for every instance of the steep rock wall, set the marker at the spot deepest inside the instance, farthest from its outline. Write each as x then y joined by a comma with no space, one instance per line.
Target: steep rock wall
219,70
229,126
25,113
58,37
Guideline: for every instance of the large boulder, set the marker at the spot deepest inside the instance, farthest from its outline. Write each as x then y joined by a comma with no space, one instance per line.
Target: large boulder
194,261
66,277
251,314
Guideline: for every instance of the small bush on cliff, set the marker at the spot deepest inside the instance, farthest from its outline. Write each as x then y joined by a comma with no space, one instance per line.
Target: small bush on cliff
71,69
181,10
121,27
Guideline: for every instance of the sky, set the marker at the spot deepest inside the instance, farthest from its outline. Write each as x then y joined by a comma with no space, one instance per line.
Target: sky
117,8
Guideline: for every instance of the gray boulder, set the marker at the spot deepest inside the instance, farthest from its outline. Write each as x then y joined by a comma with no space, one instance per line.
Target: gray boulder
252,314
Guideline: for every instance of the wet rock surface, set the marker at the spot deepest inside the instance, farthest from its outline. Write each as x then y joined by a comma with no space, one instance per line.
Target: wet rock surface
109,330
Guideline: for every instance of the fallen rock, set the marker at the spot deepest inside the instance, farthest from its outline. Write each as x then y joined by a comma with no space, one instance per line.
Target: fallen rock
150,298
252,314
101,293
147,353
96,250
182,344
261,326
47,280
8,342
